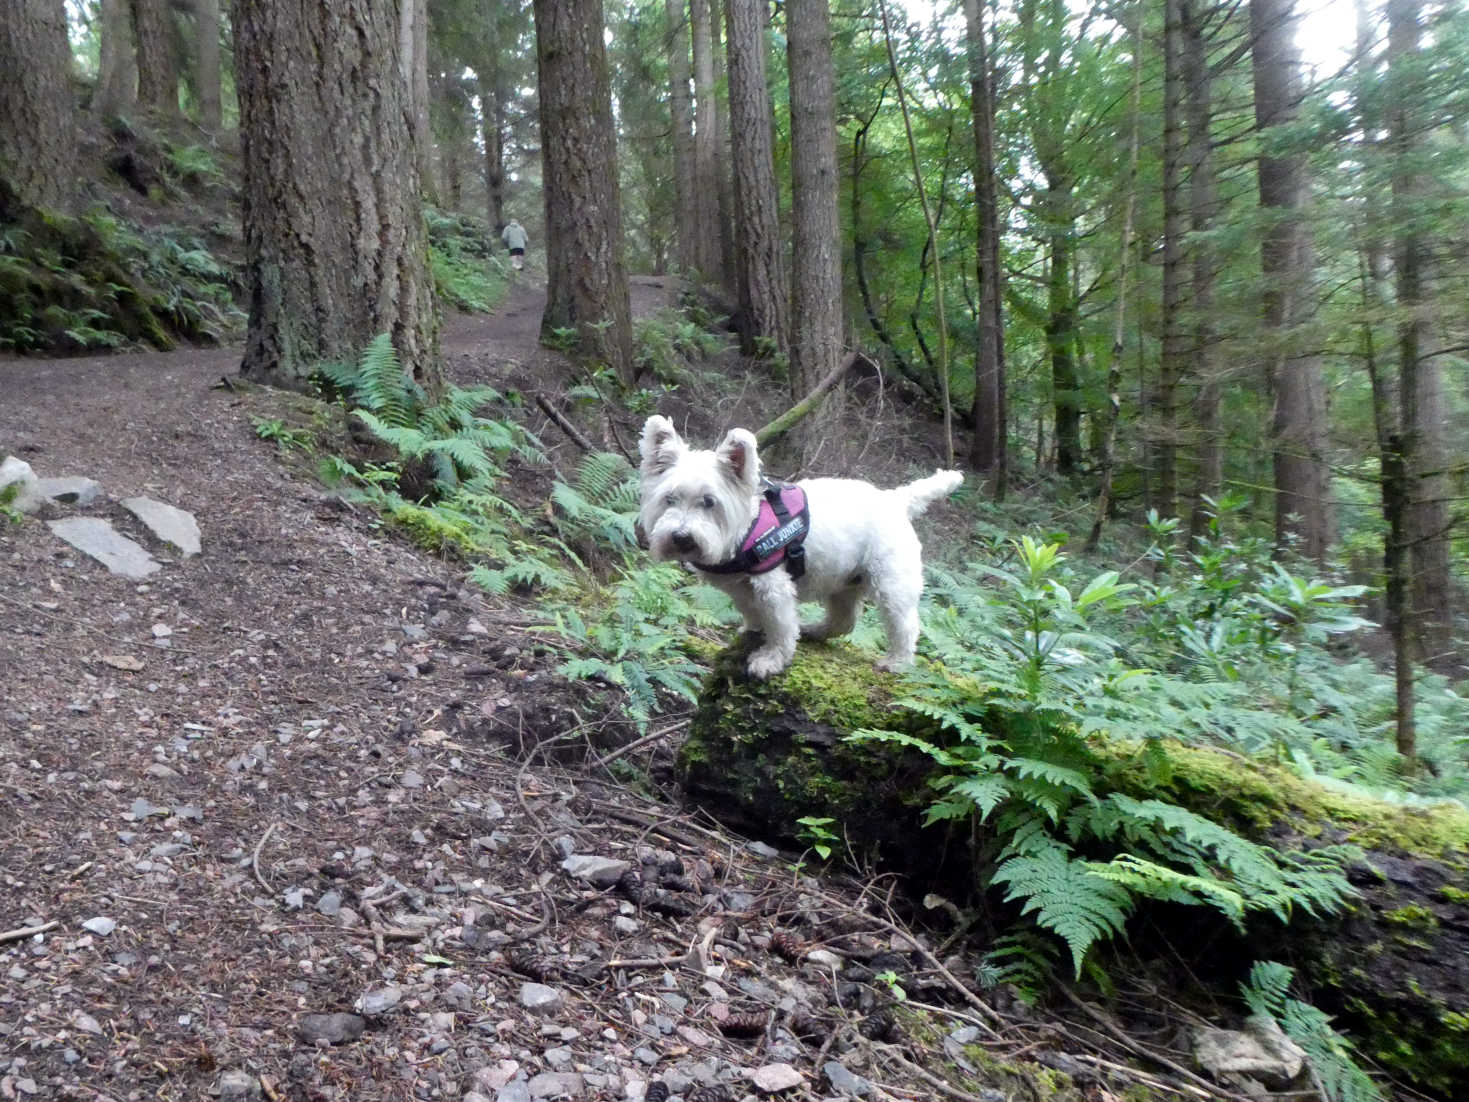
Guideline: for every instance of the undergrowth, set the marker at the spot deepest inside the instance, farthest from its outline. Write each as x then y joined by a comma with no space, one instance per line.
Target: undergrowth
467,273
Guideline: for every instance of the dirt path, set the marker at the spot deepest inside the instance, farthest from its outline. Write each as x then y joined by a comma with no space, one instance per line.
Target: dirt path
288,778
272,779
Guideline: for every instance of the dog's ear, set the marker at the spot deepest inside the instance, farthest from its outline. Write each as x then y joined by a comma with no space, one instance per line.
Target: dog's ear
660,446
738,455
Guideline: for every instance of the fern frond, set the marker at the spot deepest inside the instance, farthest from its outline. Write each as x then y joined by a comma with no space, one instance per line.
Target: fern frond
382,386
1066,897
1331,1056
1168,885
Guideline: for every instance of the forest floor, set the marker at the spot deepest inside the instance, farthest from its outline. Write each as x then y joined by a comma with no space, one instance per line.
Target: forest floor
277,824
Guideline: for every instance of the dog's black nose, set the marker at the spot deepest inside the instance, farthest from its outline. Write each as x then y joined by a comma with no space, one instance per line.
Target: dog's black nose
683,541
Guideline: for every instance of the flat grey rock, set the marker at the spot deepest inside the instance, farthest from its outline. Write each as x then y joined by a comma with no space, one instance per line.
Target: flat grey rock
97,538
600,872
334,1029
540,999
169,523
69,489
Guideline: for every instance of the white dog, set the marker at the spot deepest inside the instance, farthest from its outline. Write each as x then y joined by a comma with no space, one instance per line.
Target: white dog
709,509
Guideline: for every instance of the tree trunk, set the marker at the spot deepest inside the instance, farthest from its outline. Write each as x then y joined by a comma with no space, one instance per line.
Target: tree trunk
1170,371
681,111
1420,377
206,18
1061,327
706,146
37,110
1203,199
816,301
586,284
764,295
335,241
492,130
723,177
117,65
987,416
413,64
1124,255
1299,426
158,77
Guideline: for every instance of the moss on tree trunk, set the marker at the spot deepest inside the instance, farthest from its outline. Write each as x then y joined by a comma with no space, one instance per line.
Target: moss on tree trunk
1394,967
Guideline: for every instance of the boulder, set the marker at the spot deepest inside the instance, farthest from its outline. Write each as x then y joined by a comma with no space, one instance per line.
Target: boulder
168,522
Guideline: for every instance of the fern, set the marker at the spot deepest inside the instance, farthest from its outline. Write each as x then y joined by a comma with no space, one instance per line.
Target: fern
1066,897
1331,1056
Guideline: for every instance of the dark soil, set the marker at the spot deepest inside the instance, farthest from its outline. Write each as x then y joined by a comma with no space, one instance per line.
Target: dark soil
310,766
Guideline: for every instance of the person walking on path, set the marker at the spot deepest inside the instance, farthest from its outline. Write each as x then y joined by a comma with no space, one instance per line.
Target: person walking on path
515,238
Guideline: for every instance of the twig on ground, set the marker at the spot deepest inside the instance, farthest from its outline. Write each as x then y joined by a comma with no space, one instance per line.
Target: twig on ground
1142,1050
255,857
577,436
23,932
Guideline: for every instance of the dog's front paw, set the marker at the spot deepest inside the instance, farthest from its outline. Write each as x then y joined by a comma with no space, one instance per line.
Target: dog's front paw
767,662
895,663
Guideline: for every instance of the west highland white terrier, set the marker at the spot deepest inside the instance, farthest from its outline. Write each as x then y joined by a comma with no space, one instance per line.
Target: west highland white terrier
712,510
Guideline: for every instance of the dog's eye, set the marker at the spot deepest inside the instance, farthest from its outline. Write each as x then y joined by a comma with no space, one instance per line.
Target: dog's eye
708,501
670,499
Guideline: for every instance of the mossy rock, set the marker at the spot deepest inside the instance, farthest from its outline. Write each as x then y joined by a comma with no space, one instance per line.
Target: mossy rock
1394,967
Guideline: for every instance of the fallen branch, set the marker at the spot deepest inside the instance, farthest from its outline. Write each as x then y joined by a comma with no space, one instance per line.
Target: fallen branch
793,416
24,932
255,857
577,436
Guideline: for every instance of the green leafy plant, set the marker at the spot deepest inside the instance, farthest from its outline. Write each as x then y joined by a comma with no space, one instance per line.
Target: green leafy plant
1331,1057
817,835
634,643
1023,684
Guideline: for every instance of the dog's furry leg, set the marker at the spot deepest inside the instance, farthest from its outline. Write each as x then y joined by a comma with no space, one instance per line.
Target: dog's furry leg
842,609
775,605
896,590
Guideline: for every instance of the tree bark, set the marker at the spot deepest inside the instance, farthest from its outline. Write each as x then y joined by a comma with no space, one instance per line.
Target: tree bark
706,146
1061,325
413,64
1203,201
764,295
1420,377
681,111
1299,423
723,178
987,416
1170,371
334,234
1124,255
816,303
206,19
117,65
37,109
586,283
492,131
158,76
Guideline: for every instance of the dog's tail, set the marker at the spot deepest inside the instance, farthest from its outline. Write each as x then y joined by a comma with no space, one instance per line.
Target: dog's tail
918,496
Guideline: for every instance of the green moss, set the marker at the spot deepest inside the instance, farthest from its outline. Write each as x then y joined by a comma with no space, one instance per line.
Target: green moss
1456,1020
1412,915
1451,894
1258,797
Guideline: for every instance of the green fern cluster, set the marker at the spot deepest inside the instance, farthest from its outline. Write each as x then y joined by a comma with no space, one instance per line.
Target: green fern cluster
459,445
635,642
669,342
599,507
1025,680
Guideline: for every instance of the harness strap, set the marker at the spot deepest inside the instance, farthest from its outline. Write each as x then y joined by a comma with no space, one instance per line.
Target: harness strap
780,542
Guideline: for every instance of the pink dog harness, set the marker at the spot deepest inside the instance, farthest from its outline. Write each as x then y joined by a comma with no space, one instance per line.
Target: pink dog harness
776,536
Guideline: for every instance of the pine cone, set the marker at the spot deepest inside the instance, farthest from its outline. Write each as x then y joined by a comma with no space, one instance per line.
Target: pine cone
744,1025
717,1092
787,945
532,965
630,886
657,1091
880,1025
